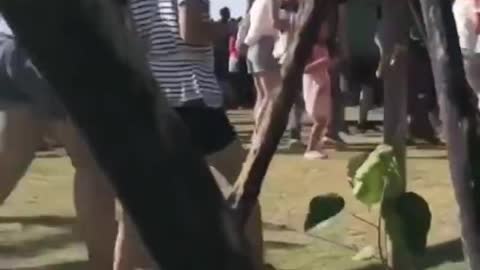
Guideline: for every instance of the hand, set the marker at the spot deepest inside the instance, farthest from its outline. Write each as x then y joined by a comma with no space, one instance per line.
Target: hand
281,25
235,196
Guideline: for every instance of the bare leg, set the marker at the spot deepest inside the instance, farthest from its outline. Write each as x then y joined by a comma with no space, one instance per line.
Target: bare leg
316,134
20,135
226,166
258,99
317,95
271,82
294,126
94,199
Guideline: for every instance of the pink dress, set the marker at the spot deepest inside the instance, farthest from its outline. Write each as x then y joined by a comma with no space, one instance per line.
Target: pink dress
316,85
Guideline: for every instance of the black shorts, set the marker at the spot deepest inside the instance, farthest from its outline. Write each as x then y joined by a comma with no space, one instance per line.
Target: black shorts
210,128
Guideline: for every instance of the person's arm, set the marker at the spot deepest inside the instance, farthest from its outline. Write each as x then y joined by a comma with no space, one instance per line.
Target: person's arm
195,26
317,64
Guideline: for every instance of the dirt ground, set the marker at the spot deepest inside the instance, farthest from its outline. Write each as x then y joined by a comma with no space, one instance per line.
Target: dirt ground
37,224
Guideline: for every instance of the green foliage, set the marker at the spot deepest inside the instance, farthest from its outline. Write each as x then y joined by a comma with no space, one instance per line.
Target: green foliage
416,217
376,179
322,208
377,176
407,215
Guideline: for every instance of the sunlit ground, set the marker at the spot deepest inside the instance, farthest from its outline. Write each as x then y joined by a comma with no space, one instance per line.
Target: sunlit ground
37,224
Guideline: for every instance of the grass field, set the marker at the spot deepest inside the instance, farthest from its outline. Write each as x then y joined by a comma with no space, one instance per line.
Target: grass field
37,224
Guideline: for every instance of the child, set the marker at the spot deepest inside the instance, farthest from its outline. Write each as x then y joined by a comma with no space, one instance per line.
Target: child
316,92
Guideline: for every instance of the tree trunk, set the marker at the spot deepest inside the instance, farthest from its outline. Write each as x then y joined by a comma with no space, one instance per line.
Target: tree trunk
394,41
272,126
460,118
84,51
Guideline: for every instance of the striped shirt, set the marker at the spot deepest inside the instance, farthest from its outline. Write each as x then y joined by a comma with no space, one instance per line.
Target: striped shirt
184,72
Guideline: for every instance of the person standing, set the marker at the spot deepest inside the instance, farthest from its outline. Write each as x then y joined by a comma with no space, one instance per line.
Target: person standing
241,82
28,109
264,26
361,20
317,94
180,35
337,31
221,54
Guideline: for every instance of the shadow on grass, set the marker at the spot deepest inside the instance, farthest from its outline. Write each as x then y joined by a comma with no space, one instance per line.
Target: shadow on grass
62,266
437,255
31,247
269,244
40,220
428,157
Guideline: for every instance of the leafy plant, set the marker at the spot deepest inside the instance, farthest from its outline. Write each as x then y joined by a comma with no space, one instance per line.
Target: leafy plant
407,215
375,179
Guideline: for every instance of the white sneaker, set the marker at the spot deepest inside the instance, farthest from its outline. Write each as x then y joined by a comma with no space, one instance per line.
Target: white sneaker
312,155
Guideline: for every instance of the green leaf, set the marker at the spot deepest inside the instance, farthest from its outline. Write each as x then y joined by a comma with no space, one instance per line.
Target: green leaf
322,208
355,162
416,217
368,186
378,174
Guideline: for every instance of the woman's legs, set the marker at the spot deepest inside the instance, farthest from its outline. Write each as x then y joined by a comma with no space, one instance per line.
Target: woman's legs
318,104
269,83
20,135
259,99
316,134
226,166
94,199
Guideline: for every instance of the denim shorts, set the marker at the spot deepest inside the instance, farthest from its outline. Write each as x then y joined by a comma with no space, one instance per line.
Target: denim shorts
21,83
260,56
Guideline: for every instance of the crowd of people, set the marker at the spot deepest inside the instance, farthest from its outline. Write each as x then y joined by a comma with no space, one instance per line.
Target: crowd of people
205,66
345,68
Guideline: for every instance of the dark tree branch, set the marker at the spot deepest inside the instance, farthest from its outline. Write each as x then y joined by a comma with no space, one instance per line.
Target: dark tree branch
272,126
460,117
393,37
82,48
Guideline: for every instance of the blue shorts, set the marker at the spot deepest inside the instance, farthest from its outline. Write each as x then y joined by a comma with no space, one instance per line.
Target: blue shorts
20,81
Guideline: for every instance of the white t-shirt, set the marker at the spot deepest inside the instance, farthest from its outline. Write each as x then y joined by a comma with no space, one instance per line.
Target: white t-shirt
466,20
4,28
261,21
